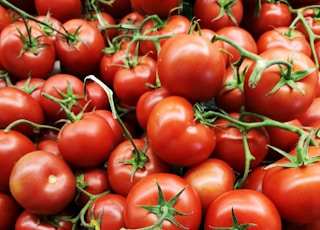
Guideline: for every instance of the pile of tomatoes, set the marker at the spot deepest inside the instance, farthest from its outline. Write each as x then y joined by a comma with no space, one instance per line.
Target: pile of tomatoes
140,114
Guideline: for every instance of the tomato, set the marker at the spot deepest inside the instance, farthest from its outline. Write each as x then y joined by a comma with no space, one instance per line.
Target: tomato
35,55
214,14
285,37
204,67
271,15
240,37
118,9
311,114
276,105
160,8
173,119
146,102
109,209
297,189
81,51
131,18
249,207
168,194
31,86
61,10
15,104
230,146
130,83
30,221
210,179
255,178
52,190
123,174
97,96
65,87
49,145
9,211
4,18
94,181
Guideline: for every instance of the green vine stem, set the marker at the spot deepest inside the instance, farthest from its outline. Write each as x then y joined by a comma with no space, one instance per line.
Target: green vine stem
32,124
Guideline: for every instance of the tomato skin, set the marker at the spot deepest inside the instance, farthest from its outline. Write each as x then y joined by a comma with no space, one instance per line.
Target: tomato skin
118,9
119,171
9,211
147,7
49,145
311,115
145,193
207,10
38,64
255,178
257,101
250,207
227,136
83,56
87,142
97,96
4,18
32,87
15,104
312,23
61,10
53,189
297,189
204,67
173,119
210,179
111,209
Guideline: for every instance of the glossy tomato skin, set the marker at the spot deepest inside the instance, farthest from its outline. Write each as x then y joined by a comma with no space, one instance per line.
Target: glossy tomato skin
9,211
110,208
146,193
49,146
161,8
250,207
53,189
255,178
208,11
82,56
210,179
15,104
204,67
4,18
296,189
120,174
175,137
311,115
31,86
36,62
257,99
97,96
87,142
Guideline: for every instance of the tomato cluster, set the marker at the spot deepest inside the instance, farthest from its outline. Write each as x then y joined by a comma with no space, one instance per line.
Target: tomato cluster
140,114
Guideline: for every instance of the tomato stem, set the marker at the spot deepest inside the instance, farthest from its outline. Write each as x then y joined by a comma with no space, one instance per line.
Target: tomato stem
33,124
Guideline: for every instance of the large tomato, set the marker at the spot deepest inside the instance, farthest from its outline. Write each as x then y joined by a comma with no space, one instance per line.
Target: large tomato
164,201
203,67
42,183
292,97
174,135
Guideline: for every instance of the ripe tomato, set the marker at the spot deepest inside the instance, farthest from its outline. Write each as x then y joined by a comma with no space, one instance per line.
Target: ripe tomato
61,9
214,14
42,183
175,137
203,67
31,86
49,145
297,189
255,178
168,194
80,51
35,56
249,207
311,115
4,18
109,209
97,96
9,211
118,9
160,8
310,16
210,179
286,103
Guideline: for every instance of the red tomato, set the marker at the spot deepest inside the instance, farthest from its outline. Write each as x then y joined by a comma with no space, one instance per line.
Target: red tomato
81,51
168,194
296,189
34,58
60,9
109,209
284,37
87,142
9,211
4,18
16,104
123,174
311,19
118,9
210,179
173,119
255,178
249,206
230,146
258,98
49,145
42,183
160,8
31,86
311,115
97,96
214,14
203,67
